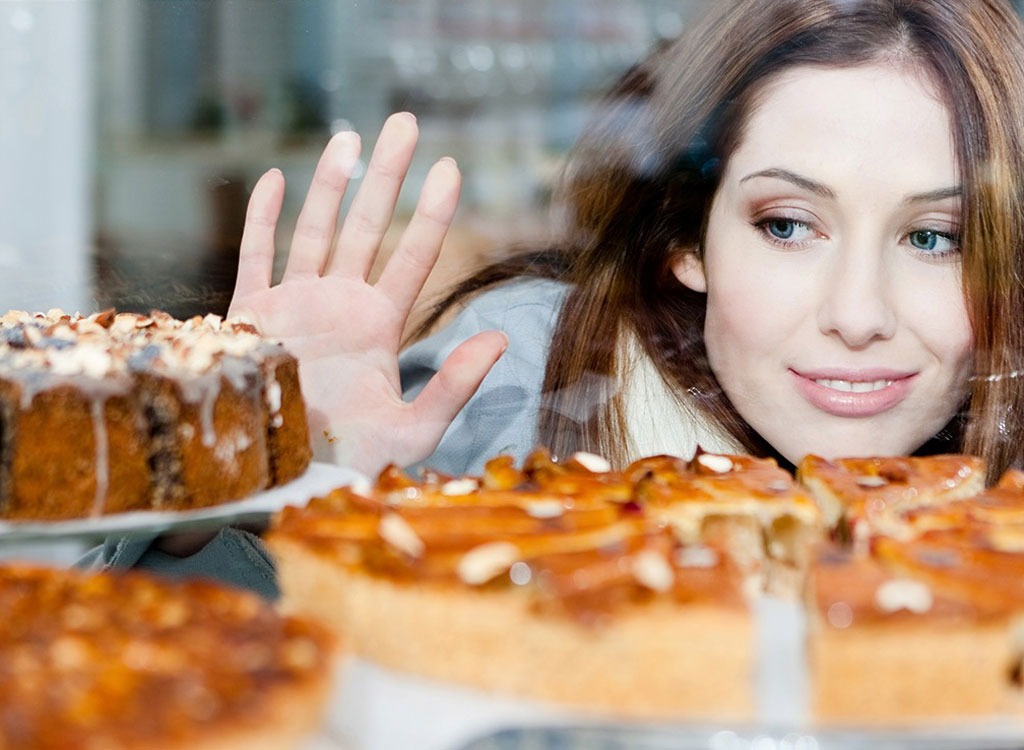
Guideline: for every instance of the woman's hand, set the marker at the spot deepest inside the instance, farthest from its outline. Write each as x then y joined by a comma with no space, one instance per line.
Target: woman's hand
345,331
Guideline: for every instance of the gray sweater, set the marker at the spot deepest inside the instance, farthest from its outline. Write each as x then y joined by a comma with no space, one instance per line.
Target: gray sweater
500,418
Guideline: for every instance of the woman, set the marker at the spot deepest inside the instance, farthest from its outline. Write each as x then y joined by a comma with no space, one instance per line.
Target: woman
797,229
639,193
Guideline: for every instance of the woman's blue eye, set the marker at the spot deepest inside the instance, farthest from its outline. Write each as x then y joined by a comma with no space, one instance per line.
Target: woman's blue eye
783,229
932,242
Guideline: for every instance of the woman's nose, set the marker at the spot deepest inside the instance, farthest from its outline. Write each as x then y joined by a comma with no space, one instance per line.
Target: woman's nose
856,297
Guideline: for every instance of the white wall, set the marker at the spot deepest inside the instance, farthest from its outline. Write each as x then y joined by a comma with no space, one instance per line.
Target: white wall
46,153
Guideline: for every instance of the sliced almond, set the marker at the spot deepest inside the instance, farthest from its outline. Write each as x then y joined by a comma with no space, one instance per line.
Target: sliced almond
545,509
483,563
652,570
397,532
592,462
872,481
458,487
697,556
716,463
903,593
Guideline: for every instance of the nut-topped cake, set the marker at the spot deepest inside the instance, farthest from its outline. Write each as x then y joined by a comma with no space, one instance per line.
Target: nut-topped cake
117,412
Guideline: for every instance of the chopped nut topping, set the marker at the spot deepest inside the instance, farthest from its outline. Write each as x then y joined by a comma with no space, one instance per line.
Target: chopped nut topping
104,318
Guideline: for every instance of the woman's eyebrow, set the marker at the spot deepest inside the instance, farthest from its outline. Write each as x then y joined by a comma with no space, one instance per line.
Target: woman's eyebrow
934,196
799,180
931,196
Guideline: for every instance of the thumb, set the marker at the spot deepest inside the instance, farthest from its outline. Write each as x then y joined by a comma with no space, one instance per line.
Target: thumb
451,387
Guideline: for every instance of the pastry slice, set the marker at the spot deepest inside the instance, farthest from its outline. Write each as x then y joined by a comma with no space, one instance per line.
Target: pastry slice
525,592
861,497
750,506
891,643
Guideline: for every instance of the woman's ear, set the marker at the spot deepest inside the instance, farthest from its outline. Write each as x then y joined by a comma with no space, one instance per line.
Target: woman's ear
689,269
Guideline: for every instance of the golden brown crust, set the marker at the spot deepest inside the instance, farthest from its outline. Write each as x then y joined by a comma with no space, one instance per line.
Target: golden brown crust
131,661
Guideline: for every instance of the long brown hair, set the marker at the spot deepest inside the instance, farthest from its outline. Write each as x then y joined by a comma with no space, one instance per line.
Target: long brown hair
639,183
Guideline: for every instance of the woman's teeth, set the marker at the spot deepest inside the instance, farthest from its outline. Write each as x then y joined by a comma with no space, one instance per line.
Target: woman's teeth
854,386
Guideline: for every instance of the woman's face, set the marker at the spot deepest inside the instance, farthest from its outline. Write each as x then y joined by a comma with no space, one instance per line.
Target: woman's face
835,316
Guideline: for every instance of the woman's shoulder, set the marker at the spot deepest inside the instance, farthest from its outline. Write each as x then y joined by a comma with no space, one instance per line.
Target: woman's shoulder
541,299
526,310
502,415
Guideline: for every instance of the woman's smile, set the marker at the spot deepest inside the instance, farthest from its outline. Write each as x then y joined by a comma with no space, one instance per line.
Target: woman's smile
853,394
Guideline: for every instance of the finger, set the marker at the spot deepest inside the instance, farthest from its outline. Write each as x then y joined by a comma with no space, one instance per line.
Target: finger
407,270
455,383
374,204
256,253
318,219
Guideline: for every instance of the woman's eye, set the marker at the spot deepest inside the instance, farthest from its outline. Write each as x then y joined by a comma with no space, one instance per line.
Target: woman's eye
783,229
933,242
789,231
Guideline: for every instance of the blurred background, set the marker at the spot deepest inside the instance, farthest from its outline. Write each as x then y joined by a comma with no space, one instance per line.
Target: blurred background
133,130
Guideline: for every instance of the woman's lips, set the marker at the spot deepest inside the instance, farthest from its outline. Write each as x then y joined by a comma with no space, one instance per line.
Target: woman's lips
853,394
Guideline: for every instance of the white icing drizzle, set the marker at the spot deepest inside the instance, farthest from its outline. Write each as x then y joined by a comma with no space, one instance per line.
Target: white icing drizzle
273,394
206,407
99,429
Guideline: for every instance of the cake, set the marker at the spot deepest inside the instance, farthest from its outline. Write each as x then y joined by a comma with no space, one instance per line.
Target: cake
118,412
129,661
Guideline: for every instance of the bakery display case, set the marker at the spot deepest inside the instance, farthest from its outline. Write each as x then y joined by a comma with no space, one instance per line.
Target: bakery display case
136,132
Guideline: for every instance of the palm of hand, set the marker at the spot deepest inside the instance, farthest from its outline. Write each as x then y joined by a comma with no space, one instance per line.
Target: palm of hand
345,331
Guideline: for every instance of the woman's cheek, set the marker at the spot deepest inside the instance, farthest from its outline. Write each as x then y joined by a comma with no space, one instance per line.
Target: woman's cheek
754,307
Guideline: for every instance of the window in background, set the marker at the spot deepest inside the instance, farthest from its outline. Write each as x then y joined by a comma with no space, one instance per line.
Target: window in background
198,99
